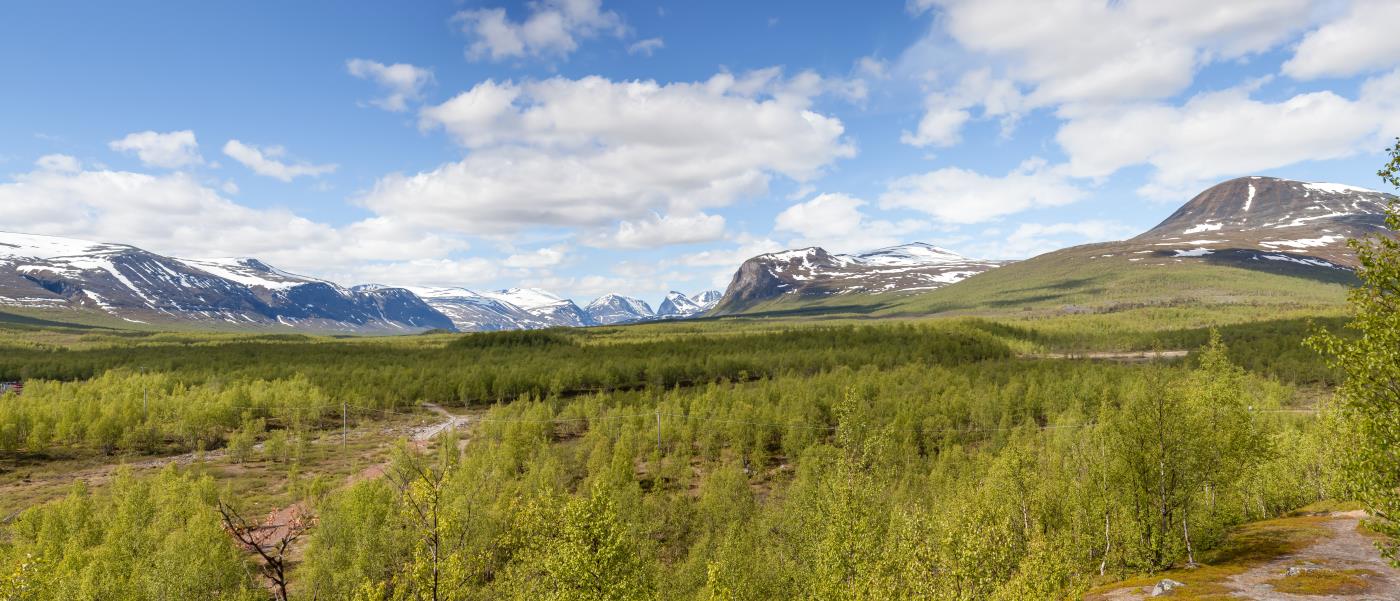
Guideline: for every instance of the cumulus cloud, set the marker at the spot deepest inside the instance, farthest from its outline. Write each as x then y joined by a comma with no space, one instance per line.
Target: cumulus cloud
263,161
946,112
1226,133
176,214
543,257
872,67
1030,239
1078,54
1362,39
716,266
444,272
646,47
402,81
594,152
836,223
664,230
553,29
58,162
170,150
1090,50
960,196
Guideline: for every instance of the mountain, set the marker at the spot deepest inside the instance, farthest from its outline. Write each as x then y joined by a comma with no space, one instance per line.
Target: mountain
678,305
131,284
543,305
1271,219
614,309
528,309
808,273
707,299
473,312
1273,245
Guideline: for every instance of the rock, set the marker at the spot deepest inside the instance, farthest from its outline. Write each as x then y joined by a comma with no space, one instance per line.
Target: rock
1167,585
1299,570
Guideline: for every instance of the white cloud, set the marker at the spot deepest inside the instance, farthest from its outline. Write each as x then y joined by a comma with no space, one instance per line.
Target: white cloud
647,46
835,222
59,162
594,152
1076,55
1030,239
263,161
940,126
955,195
403,81
1095,51
947,112
874,68
543,257
663,230
1363,39
175,214
746,247
1227,133
553,29
717,265
443,272
170,150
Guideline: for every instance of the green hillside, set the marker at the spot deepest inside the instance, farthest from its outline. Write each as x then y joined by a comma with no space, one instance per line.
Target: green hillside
1094,279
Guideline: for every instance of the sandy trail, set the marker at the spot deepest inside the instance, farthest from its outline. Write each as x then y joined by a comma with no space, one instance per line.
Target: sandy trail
1125,356
277,523
1344,548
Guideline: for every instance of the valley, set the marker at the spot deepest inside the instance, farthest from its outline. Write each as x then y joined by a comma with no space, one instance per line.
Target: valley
918,423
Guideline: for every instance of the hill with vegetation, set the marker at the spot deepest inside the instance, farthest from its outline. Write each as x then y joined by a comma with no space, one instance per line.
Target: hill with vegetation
1251,244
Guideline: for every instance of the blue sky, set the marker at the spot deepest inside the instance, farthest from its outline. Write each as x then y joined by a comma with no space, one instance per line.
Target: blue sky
636,147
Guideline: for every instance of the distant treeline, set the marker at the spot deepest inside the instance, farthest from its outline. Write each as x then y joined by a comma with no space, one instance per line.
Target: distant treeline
491,367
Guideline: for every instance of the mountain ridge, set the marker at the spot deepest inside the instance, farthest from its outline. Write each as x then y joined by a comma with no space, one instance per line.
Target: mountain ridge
813,272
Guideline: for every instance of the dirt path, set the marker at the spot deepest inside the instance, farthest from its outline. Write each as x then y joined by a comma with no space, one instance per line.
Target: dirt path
277,524
1124,356
1344,549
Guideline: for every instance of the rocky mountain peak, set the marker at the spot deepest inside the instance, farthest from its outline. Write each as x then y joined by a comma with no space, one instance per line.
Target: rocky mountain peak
815,272
1273,214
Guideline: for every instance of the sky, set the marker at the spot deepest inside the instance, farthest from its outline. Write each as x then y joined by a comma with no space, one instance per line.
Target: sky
635,147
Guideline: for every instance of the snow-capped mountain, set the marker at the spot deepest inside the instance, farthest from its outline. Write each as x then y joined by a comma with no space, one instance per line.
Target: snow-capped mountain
1273,220
472,311
814,272
528,309
707,299
544,305
48,272
612,309
678,305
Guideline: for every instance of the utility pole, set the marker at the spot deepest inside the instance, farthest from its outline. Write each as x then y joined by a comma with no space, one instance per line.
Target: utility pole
658,431
343,426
